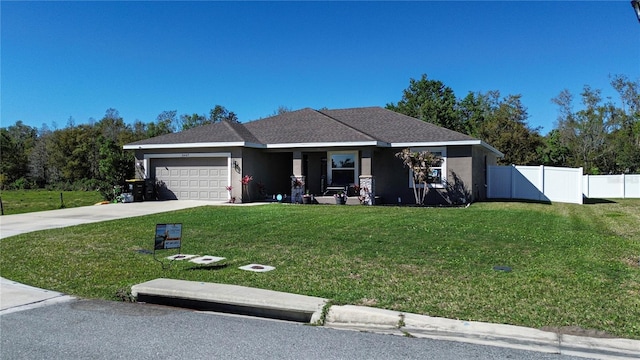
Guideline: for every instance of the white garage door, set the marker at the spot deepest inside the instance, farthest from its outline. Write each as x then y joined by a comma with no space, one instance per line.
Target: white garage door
191,178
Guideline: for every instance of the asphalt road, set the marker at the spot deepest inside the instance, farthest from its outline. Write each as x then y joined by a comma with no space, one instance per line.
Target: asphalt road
96,329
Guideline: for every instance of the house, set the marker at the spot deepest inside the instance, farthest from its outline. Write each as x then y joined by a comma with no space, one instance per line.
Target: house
321,151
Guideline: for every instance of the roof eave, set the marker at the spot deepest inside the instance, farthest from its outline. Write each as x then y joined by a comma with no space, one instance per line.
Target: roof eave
193,145
449,143
328,144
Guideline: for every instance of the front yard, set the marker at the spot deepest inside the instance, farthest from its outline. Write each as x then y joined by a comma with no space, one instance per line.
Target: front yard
571,265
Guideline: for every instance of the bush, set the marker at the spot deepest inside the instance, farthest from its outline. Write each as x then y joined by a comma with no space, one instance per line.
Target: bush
21,184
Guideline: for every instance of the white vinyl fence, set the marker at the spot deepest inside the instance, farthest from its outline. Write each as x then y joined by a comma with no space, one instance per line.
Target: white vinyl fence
545,183
539,183
611,186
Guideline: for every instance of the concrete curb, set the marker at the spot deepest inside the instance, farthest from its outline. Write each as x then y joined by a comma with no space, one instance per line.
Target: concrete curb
231,298
510,336
274,304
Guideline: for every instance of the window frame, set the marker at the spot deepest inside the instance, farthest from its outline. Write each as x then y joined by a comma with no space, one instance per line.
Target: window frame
355,168
442,150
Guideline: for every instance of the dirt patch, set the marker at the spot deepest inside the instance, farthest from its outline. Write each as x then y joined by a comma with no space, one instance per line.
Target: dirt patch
368,302
633,262
577,331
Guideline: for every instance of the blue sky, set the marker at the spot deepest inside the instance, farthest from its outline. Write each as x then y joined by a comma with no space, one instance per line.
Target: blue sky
77,59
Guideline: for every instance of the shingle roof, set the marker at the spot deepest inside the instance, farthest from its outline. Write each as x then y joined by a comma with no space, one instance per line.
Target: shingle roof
308,126
304,126
210,133
393,127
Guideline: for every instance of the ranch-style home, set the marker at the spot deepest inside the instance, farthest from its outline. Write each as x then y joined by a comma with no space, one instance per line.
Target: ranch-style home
318,152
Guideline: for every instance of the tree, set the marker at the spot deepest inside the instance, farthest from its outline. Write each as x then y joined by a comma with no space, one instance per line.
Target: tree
626,139
115,165
419,163
17,142
430,101
502,123
281,110
217,114
191,121
220,113
506,128
39,168
554,153
586,131
473,110
72,155
164,124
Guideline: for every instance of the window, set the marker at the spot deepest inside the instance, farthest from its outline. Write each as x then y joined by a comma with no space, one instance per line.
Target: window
342,167
436,177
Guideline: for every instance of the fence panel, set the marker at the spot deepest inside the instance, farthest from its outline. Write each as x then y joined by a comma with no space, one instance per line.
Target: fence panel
632,186
538,183
527,183
499,182
611,186
563,184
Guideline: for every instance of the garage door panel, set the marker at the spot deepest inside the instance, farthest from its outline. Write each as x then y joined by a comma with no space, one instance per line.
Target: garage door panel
192,178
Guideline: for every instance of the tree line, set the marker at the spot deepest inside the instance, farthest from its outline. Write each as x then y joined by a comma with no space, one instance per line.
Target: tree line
599,136
87,156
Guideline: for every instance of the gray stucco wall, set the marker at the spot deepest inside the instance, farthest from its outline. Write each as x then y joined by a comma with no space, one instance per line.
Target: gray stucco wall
482,158
272,169
392,178
466,172
459,174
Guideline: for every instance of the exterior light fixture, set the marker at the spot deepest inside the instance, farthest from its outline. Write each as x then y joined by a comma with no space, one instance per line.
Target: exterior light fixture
636,6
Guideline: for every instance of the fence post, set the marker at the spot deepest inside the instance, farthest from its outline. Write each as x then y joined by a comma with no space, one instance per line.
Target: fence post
585,178
541,194
513,182
488,182
624,187
580,186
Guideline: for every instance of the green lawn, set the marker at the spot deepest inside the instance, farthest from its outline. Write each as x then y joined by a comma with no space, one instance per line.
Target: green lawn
572,265
24,201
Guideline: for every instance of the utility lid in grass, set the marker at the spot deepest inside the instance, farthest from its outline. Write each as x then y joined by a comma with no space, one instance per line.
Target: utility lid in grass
257,268
502,268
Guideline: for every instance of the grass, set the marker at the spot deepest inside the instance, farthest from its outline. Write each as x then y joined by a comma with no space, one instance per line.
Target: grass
572,265
25,201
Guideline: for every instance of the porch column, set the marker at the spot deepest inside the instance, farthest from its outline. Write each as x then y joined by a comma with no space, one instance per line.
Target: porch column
297,163
367,180
297,188
367,189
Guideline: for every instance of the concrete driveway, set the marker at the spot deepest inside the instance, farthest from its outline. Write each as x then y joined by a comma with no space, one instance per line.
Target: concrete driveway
15,296
11,225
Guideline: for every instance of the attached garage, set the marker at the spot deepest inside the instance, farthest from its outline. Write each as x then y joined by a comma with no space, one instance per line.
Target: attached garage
191,178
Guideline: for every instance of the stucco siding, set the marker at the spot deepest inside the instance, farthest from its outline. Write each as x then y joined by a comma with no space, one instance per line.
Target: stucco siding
271,169
482,159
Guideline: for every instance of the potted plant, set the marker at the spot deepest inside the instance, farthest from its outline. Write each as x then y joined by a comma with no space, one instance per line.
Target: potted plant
232,199
341,198
245,187
306,198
